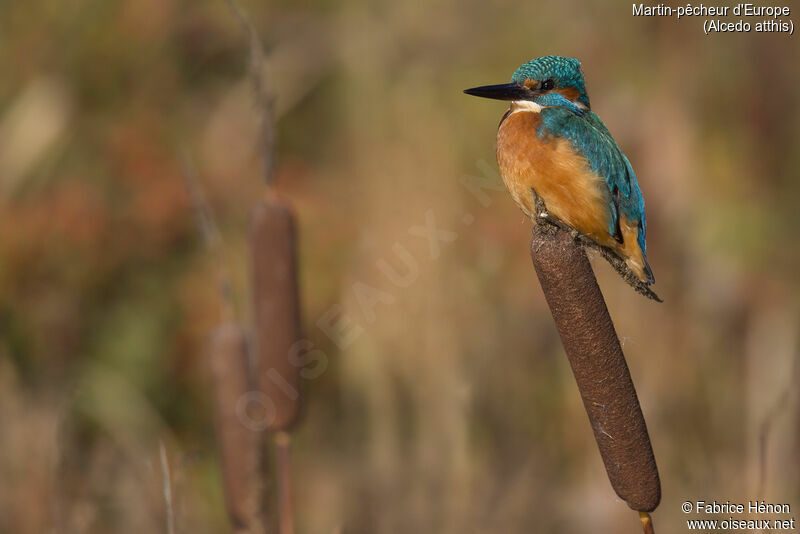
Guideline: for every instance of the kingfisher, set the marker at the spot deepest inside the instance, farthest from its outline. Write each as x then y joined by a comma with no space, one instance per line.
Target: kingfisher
551,145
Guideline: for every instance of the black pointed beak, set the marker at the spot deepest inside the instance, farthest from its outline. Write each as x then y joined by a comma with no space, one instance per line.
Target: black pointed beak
503,91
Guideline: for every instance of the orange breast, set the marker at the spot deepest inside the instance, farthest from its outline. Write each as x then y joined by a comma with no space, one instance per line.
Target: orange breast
561,177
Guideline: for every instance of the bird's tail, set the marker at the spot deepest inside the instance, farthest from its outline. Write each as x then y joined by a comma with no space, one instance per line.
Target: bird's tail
648,272
641,269
638,278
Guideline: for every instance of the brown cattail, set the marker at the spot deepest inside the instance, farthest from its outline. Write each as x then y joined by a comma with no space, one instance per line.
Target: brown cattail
598,364
239,444
276,309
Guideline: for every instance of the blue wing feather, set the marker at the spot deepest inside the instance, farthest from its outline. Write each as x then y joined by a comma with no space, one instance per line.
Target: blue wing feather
590,137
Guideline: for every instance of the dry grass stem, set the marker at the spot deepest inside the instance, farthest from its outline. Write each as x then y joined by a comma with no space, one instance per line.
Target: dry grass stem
208,229
167,488
261,90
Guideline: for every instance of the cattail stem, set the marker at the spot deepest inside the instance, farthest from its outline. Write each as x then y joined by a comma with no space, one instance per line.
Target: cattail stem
282,443
647,523
598,364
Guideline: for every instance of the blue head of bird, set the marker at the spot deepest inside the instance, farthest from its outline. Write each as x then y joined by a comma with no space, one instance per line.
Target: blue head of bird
545,81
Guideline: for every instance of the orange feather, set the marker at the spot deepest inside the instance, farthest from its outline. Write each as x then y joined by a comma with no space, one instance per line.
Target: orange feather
564,179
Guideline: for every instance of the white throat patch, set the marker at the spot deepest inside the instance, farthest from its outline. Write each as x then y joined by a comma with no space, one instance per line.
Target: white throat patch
525,105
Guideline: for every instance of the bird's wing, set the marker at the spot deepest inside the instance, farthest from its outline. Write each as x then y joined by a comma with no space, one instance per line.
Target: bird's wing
590,137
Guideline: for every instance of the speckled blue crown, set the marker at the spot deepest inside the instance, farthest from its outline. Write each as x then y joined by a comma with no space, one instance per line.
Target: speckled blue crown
565,71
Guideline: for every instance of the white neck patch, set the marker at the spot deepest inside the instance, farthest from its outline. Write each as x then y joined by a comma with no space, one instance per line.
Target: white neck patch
525,105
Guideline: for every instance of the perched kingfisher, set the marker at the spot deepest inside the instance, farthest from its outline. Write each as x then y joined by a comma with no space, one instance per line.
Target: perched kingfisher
550,144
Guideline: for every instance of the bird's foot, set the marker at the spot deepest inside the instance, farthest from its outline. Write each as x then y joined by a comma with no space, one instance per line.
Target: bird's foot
542,215
539,207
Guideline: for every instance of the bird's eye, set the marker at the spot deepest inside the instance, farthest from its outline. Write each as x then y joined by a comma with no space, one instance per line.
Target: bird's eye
547,85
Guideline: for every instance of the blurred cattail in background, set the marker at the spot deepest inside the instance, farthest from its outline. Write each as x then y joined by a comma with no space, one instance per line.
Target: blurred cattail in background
239,445
275,294
277,330
276,309
231,374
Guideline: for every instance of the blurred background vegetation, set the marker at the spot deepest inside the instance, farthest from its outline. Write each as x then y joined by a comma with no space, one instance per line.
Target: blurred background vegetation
451,407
